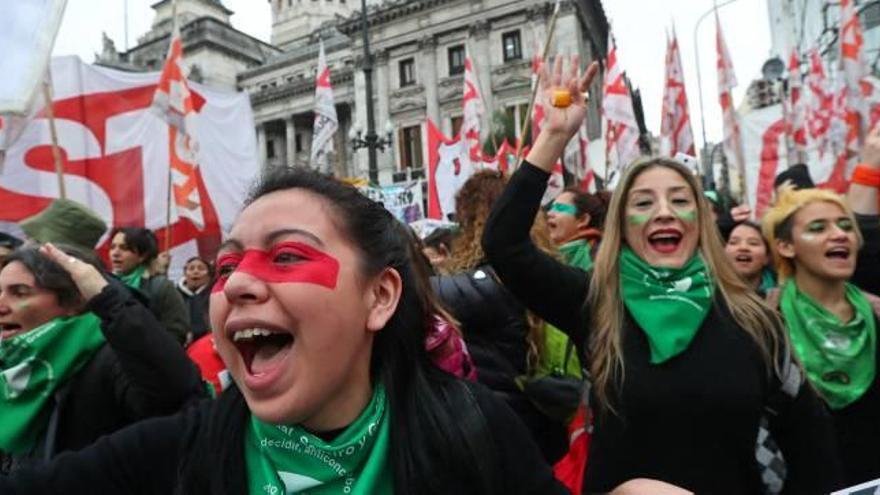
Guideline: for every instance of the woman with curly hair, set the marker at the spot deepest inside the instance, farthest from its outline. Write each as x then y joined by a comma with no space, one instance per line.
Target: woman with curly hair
505,341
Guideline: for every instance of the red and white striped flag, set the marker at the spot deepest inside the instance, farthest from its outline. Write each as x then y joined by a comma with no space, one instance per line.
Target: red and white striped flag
175,103
726,82
796,111
621,128
472,111
326,122
820,107
676,135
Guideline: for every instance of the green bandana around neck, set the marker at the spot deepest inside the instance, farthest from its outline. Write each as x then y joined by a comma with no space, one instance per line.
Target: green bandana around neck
839,357
669,304
288,459
32,367
577,254
133,278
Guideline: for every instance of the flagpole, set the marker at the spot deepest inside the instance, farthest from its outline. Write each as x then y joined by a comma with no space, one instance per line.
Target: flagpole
171,144
525,125
53,132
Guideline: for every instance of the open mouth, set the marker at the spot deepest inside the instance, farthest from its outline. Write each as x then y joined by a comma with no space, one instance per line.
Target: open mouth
838,253
263,350
743,258
665,240
9,330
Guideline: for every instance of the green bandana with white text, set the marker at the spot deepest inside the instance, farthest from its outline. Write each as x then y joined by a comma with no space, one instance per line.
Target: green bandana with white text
32,367
839,357
133,278
288,459
669,304
577,254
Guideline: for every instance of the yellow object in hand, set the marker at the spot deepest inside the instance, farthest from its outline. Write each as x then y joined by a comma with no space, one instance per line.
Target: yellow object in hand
561,98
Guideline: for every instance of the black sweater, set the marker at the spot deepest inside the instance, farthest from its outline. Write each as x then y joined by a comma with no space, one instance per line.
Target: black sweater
691,421
148,457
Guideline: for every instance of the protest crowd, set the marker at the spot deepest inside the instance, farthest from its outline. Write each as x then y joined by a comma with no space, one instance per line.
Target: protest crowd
646,338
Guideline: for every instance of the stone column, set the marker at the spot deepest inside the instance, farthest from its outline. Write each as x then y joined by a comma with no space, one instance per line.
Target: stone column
261,145
482,60
290,141
428,45
383,112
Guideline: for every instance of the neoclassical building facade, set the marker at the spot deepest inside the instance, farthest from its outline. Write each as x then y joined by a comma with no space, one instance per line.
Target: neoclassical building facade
418,49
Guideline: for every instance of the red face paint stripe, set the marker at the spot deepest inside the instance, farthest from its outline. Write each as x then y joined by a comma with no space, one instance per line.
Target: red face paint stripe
286,262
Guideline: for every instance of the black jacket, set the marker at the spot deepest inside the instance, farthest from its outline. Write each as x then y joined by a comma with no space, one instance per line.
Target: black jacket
167,305
495,329
140,372
691,421
197,306
149,457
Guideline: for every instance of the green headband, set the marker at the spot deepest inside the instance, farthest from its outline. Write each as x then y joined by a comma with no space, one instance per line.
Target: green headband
564,208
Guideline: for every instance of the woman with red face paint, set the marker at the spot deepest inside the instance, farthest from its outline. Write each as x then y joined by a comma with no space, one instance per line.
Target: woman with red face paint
79,358
749,253
317,313
684,356
819,246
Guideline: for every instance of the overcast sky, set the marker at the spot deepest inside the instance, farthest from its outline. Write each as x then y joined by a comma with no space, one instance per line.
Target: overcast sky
639,26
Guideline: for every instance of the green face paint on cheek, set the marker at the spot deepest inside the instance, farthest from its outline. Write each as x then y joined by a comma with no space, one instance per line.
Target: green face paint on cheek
638,219
687,216
23,306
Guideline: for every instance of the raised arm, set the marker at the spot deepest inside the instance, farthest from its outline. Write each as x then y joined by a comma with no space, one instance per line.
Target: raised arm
864,198
551,289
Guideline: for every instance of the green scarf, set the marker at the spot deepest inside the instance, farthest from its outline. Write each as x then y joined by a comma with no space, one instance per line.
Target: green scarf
577,254
32,367
288,459
839,357
133,278
669,304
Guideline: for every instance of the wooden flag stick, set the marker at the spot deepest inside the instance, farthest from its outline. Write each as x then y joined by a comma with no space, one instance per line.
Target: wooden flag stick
525,125
53,132
172,135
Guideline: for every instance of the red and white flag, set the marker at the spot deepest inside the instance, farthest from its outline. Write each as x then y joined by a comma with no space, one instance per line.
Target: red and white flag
576,156
174,103
326,122
676,135
621,128
820,105
472,110
796,111
726,82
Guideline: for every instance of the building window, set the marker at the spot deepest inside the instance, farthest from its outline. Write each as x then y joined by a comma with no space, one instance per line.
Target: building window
411,147
456,124
512,45
298,143
407,72
456,60
270,148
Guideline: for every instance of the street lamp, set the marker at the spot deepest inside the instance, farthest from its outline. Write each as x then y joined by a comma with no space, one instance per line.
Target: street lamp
359,141
371,140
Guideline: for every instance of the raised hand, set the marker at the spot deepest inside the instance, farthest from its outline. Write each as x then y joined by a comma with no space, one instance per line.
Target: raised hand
87,278
871,149
561,123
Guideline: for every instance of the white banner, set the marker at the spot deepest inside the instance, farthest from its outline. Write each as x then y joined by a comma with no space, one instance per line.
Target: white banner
404,201
116,156
27,34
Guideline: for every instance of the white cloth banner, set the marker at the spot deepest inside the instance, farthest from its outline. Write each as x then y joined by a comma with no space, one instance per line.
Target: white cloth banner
404,201
27,34
117,156
326,122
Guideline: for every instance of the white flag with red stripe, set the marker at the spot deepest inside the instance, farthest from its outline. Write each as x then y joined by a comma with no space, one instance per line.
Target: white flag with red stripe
676,135
326,122
820,105
622,130
796,111
175,104
726,82
472,110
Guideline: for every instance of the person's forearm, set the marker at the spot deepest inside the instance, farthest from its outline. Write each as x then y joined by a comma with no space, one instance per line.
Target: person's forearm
547,150
863,199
